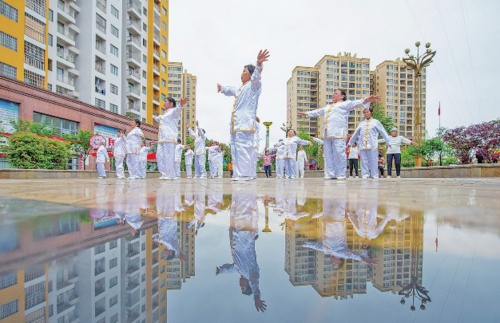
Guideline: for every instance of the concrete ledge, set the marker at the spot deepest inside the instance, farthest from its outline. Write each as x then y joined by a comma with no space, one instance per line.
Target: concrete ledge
458,171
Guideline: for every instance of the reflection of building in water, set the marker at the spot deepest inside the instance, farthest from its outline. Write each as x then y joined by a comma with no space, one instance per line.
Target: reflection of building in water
73,270
177,271
397,249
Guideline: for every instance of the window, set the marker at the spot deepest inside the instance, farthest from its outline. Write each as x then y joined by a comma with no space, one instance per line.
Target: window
113,108
51,15
114,69
38,6
144,11
60,126
143,90
113,243
34,79
8,279
163,83
115,12
163,54
8,11
8,70
164,11
8,309
100,23
164,40
114,89
113,300
115,31
8,41
144,42
164,69
100,103
113,50
50,40
164,25
113,281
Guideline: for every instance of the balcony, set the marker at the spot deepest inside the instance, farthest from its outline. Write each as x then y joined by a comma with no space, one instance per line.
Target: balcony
134,7
35,62
134,25
156,70
100,27
70,34
66,55
69,11
156,98
100,46
134,75
156,84
133,56
134,92
100,67
132,285
156,38
133,107
34,34
134,40
101,5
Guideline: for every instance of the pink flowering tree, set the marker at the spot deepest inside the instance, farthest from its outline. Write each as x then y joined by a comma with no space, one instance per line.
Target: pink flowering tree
481,139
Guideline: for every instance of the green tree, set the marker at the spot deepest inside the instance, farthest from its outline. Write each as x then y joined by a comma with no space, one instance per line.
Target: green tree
313,151
80,143
42,129
28,150
380,114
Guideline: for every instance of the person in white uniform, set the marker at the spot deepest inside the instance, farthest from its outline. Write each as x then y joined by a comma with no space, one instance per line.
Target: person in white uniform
102,157
301,161
243,231
134,139
280,159
220,164
394,152
290,156
256,144
213,159
199,151
335,133
178,158
119,152
188,161
167,136
366,135
243,118
143,159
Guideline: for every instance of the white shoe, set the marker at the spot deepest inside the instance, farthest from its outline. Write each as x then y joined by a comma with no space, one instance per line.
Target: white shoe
177,178
399,177
101,177
388,176
326,177
341,178
189,177
357,177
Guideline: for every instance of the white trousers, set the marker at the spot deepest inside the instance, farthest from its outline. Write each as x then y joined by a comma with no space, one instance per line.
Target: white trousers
120,170
301,166
335,158
189,170
101,171
199,166
369,163
280,168
142,166
178,169
165,157
133,166
243,155
290,168
213,168
220,170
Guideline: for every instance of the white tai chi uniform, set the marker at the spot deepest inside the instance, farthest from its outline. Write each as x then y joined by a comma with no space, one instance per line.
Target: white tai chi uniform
119,151
101,158
335,135
213,160
256,143
134,139
291,155
243,125
280,161
301,162
167,139
178,157
199,153
243,231
366,135
188,161
220,170
143,160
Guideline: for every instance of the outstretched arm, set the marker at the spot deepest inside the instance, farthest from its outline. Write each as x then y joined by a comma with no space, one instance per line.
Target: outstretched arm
256,76
226,90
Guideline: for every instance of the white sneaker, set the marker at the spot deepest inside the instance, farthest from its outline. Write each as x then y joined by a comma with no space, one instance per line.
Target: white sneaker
326,177
177,178
399,177
388,176
189,177
357,177
341,178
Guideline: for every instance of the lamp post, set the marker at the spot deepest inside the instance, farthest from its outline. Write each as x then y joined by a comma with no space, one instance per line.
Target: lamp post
267,124
417,64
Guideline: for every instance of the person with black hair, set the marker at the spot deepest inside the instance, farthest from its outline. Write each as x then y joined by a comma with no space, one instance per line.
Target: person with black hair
167,136
134,139
335,130
366,135
119,152
243,118
213,158
178,158
200,155
243,231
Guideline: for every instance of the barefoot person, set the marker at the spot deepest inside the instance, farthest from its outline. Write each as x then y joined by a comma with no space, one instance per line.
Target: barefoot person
246,100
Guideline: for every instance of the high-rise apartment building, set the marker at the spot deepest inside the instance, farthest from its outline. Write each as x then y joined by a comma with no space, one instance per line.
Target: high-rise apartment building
395,84
310,88
183,84
111,54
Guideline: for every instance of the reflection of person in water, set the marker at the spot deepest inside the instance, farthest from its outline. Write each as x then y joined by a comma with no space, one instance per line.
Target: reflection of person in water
364,220
199,210
243,232
166,205
334,239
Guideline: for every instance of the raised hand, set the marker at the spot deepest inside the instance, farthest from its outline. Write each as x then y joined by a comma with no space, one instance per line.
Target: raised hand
262,57
184,101
219,88
260,305
197,123
302,114
372,98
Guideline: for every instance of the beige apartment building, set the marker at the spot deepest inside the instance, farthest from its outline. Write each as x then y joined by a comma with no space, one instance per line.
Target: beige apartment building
183,84
310,88
396,84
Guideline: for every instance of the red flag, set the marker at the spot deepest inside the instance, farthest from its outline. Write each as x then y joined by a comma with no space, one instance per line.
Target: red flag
439,109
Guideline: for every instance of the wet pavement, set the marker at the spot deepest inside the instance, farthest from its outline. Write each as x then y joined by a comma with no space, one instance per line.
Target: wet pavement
391,250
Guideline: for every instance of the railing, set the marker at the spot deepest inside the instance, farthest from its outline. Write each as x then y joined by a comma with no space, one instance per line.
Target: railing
135,40
157,52
156,98
66,79
157,20
156,37
156,68
156,83
134,73
132,89
35,62
66,54
134,54
100,68
100,47
71,34
133,106
134,4
33,33
67,9
101,4
132,22
100,27
37,6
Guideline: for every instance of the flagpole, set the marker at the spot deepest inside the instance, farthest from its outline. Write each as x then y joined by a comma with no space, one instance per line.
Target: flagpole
441,137
439,114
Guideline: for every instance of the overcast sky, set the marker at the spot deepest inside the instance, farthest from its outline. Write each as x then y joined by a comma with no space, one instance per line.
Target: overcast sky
214,41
